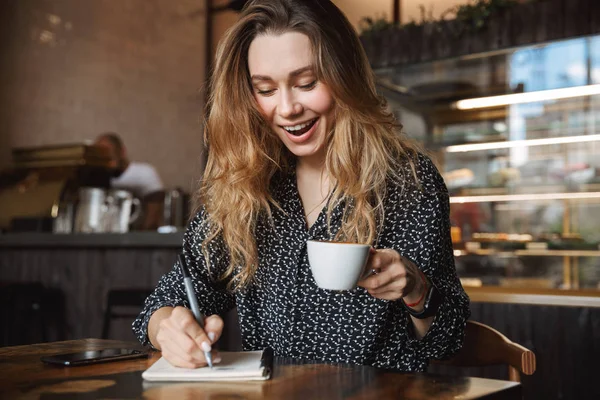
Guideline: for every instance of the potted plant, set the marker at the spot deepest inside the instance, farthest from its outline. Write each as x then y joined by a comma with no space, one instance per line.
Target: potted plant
478,26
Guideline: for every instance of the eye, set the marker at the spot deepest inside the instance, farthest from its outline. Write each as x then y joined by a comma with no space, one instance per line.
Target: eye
308,86
266,92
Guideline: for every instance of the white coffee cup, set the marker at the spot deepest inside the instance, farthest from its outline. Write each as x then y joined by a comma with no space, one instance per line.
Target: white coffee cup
337,266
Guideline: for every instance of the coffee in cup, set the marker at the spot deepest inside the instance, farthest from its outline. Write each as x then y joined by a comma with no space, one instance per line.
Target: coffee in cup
337,265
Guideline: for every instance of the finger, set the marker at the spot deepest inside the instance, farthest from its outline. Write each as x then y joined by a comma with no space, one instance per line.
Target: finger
368,271
196,358
213,326
177,361
216,356
395,285
373,267
180,347
180,357
382,259
179,342
178,354
381,279
193,339
389,261
375,260
185,321
392,278
169,333
375,281
389,295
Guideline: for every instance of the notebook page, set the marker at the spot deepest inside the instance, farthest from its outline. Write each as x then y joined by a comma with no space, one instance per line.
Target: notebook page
243,365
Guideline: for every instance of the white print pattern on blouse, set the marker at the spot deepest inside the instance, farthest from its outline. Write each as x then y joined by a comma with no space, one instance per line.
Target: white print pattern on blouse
285,310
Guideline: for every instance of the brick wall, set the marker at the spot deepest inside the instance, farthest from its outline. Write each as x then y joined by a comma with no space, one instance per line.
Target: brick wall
70,69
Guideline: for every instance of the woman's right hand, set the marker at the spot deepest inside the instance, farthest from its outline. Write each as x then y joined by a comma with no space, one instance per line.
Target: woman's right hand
182,341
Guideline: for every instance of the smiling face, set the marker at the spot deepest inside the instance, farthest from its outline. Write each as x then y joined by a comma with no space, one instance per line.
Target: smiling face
298,107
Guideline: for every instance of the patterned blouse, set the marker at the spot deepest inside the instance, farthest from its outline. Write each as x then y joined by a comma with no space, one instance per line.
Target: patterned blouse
284,309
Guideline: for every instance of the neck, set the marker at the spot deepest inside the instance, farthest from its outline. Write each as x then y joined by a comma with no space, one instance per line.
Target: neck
311,171
314,164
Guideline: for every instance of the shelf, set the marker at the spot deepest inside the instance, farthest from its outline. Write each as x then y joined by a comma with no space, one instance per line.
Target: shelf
530,253
571,134
510,144
525,197
532,189
545,297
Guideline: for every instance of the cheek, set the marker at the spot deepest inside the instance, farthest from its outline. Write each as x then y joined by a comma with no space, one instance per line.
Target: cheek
322,102
266,107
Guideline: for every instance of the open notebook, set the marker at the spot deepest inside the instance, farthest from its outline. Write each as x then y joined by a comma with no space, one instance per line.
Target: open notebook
234,366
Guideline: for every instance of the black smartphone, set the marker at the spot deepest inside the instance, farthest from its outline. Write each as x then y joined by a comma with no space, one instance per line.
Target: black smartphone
94,356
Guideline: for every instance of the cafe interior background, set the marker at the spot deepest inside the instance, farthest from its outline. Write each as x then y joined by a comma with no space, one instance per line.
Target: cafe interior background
523,174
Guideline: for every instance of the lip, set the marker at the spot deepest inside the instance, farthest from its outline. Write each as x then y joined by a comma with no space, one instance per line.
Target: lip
298,123
306,136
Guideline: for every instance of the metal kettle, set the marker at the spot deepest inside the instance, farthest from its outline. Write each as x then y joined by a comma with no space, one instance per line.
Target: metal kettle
90,211
173,211
122,210
99,211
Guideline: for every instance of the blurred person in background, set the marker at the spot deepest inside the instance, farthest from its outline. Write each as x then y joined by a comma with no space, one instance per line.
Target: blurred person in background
141,179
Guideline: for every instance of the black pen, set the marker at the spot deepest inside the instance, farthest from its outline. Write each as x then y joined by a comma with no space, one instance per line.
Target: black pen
189,289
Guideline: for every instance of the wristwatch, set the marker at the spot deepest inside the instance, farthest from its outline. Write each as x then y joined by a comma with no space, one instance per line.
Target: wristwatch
433,299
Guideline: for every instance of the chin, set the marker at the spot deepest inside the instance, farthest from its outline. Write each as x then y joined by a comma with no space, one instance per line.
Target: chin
303,152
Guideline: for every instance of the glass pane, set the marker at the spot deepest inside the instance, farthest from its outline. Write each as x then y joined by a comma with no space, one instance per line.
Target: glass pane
523,173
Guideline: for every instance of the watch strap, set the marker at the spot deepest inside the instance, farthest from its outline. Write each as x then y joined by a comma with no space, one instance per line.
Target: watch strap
433,299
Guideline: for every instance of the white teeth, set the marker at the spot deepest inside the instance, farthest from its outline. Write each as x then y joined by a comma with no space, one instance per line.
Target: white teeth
297,127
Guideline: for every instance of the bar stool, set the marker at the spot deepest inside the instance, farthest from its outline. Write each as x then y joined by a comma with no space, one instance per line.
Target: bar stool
130,299
30,313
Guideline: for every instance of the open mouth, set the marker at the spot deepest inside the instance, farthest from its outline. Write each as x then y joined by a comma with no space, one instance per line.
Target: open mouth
300,129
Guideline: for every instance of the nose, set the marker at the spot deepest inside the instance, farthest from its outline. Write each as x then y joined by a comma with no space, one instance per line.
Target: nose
288,105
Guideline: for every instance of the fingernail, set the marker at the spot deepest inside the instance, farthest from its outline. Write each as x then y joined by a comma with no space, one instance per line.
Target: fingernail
217,359
206,346
211,336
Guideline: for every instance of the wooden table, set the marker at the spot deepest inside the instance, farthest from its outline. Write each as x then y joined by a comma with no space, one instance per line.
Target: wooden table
23,375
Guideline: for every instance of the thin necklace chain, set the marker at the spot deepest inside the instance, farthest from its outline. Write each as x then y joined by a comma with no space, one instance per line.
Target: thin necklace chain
318,204
315,207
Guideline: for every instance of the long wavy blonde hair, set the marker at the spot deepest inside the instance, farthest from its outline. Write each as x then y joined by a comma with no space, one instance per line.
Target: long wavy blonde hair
364,149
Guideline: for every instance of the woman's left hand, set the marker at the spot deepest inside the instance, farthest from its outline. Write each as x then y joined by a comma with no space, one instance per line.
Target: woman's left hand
395,277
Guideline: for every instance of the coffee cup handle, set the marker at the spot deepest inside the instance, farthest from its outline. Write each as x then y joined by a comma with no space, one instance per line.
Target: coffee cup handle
367,272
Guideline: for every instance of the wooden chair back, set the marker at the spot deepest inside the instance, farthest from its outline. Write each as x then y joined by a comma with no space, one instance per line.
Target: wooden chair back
485,346
123,298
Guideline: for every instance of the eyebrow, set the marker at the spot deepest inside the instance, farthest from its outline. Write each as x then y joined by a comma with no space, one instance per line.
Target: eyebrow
293,74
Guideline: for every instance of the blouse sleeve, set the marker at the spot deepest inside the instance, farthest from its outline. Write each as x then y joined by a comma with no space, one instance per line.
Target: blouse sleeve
213,298
429,246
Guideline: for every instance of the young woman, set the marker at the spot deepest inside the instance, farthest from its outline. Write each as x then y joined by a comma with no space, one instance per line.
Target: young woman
301,147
